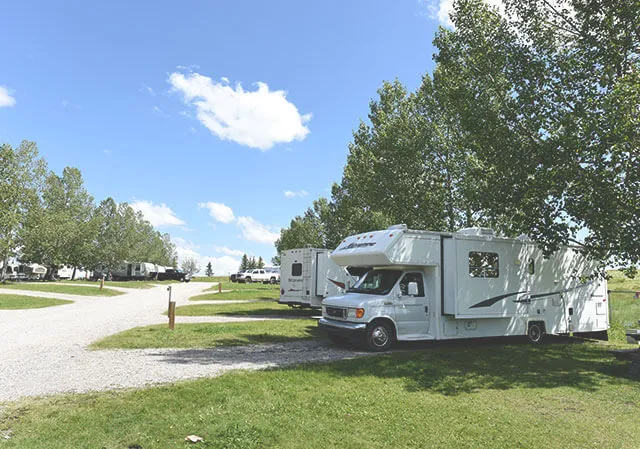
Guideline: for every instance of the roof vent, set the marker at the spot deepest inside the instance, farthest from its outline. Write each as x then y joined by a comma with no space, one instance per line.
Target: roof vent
487,232
402,227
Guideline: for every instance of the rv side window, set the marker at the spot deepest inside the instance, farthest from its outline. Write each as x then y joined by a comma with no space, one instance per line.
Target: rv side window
483,265
532,266
296,269
411,277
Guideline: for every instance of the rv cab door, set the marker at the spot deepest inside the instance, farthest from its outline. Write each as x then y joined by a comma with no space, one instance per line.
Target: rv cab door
412,309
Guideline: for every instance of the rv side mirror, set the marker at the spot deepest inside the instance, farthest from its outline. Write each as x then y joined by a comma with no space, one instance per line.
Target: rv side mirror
413,289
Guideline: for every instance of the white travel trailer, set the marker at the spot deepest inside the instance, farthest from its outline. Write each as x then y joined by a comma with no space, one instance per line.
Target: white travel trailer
135,271
64,271
308,275
435,286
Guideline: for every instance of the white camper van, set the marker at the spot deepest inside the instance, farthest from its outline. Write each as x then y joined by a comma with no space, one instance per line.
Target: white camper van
308,275
435,286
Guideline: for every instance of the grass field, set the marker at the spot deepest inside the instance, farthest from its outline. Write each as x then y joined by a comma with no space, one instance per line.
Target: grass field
209,335
226,285
625,307
262,308
243,294
14,302
83,290
485,394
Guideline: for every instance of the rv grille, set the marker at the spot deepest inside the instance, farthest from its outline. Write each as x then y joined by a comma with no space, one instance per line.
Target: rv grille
336,312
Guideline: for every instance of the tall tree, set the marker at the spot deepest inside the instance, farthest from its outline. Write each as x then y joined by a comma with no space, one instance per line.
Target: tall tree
60,229
190,265
209,270
244,263
260,263
22,173
548,98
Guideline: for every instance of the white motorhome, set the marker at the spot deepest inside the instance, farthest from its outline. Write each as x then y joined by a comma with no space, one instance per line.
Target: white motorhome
435,286
308,275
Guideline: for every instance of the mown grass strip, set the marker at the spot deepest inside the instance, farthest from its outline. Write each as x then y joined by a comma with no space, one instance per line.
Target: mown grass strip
16,302
445,396
82,290
246,294
243,286
123,284
209,335
261,308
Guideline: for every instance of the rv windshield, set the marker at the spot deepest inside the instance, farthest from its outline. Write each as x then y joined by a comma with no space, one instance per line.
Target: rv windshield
377,282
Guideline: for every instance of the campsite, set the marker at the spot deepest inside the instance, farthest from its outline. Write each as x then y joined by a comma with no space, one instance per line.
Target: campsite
360,224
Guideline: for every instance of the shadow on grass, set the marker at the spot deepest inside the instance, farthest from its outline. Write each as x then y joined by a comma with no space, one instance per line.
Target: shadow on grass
452,368
238,351
448,368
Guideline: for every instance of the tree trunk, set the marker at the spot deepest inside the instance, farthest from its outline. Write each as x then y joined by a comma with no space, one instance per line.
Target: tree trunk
5,261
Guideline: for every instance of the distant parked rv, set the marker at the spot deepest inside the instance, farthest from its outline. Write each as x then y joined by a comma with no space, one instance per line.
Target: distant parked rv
308,275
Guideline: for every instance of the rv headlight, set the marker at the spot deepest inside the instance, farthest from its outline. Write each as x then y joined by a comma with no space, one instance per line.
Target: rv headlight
355,313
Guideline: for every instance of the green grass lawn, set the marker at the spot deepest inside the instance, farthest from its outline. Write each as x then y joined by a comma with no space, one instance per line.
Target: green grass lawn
14,302
481,395
226,285
84,290
262,308
210,279
209,335
123,284
243,294
625,307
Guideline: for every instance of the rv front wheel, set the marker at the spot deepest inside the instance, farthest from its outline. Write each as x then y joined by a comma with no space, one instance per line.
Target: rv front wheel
379,336
535,334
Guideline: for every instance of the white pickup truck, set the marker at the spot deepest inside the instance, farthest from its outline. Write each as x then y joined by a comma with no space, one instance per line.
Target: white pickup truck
263,275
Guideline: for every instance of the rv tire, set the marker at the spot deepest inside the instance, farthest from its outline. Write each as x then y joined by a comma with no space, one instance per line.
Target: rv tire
535,332
379,336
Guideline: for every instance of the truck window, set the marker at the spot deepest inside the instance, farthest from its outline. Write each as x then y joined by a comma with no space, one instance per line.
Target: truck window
411,277
532,266
296,269
483,265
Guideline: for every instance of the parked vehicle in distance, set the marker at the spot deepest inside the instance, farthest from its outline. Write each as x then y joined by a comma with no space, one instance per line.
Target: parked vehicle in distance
234,276
310,276
258,275
174,274
424,285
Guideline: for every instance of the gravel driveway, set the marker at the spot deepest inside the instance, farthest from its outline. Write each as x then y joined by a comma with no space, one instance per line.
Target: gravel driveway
43,351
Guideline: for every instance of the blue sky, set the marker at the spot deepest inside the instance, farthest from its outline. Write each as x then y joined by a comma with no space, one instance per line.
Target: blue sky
203,114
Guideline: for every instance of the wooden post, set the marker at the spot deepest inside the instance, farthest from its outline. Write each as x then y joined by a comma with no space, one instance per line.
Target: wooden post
172,310
172,314
219,287
101,282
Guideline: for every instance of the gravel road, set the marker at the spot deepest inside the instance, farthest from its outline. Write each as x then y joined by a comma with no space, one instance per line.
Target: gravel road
43,351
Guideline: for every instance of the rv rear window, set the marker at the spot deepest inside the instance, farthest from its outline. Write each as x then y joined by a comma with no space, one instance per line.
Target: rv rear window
483,265
296,269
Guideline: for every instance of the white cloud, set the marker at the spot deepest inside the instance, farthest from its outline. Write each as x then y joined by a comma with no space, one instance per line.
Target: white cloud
228,251
292,194
6,100
258,119
441,9
157,215
257,232
221,265
220,212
